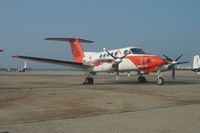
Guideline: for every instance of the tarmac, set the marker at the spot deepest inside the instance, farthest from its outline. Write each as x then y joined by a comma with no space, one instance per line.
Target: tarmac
57,101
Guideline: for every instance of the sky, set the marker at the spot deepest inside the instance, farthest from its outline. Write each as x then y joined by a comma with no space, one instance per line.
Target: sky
170,27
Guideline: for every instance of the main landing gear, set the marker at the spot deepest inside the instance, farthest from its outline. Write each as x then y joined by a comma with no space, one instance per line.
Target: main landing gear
141,79
89,81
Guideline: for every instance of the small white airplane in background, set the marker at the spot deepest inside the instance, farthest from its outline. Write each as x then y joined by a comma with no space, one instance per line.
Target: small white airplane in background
22,69
118,60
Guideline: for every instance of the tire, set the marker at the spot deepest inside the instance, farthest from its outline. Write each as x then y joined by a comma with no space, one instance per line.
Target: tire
141,79
160,81
89,80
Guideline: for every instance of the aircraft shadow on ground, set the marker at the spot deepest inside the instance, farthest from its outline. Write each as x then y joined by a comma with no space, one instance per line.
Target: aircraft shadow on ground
149,83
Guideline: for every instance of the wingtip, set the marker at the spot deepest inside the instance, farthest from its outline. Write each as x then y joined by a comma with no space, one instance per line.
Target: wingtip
15,56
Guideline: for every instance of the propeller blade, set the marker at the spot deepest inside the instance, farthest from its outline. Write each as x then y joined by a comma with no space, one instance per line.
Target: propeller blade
178,58
173,73
182,62
167,58
110,54
117,77
124,56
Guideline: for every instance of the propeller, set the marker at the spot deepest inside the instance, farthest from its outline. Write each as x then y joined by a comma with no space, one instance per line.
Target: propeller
174,63
118,60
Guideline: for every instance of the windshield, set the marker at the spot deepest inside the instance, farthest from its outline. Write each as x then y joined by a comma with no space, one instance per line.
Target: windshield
137,51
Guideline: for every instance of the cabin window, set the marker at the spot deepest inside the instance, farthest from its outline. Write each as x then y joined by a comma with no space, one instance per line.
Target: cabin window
104,55
111,53
100,56
116,53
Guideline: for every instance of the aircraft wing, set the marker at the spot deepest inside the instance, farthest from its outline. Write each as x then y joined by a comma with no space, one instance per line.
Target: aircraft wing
56,62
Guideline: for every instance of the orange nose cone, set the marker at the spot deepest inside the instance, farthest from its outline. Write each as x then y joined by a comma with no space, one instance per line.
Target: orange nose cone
160,61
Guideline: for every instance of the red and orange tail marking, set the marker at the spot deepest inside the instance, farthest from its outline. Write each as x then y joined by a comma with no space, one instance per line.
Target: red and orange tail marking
76,48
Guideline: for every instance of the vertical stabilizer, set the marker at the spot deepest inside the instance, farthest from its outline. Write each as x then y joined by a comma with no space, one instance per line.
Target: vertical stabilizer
76,48
196,62
25,64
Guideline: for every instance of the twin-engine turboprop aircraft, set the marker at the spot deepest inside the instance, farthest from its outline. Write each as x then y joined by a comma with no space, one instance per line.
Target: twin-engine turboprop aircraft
118,60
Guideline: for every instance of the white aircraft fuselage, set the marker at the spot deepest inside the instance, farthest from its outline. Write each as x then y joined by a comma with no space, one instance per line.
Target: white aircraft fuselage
117,60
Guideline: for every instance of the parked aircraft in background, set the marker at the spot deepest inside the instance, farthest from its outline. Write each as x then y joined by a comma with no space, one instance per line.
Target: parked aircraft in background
117,60
196,63
21,69
1,50
195,67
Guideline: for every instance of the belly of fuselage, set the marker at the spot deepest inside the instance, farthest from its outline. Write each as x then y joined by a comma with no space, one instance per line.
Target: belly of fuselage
125,65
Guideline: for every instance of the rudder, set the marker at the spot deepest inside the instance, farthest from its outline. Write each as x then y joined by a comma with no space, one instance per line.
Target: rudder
76,48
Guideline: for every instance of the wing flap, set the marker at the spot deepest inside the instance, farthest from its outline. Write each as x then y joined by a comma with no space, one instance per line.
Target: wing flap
53,61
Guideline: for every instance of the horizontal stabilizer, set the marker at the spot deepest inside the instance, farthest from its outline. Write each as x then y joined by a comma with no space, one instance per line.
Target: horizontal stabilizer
69,39
53,61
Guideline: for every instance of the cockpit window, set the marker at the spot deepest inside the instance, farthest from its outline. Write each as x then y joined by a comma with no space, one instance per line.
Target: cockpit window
137,51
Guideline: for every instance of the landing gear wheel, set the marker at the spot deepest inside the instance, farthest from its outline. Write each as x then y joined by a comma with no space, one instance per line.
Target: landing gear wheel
141,79
160,81
89,80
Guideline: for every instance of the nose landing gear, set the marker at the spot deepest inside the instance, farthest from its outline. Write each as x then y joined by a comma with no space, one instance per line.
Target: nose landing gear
160,80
